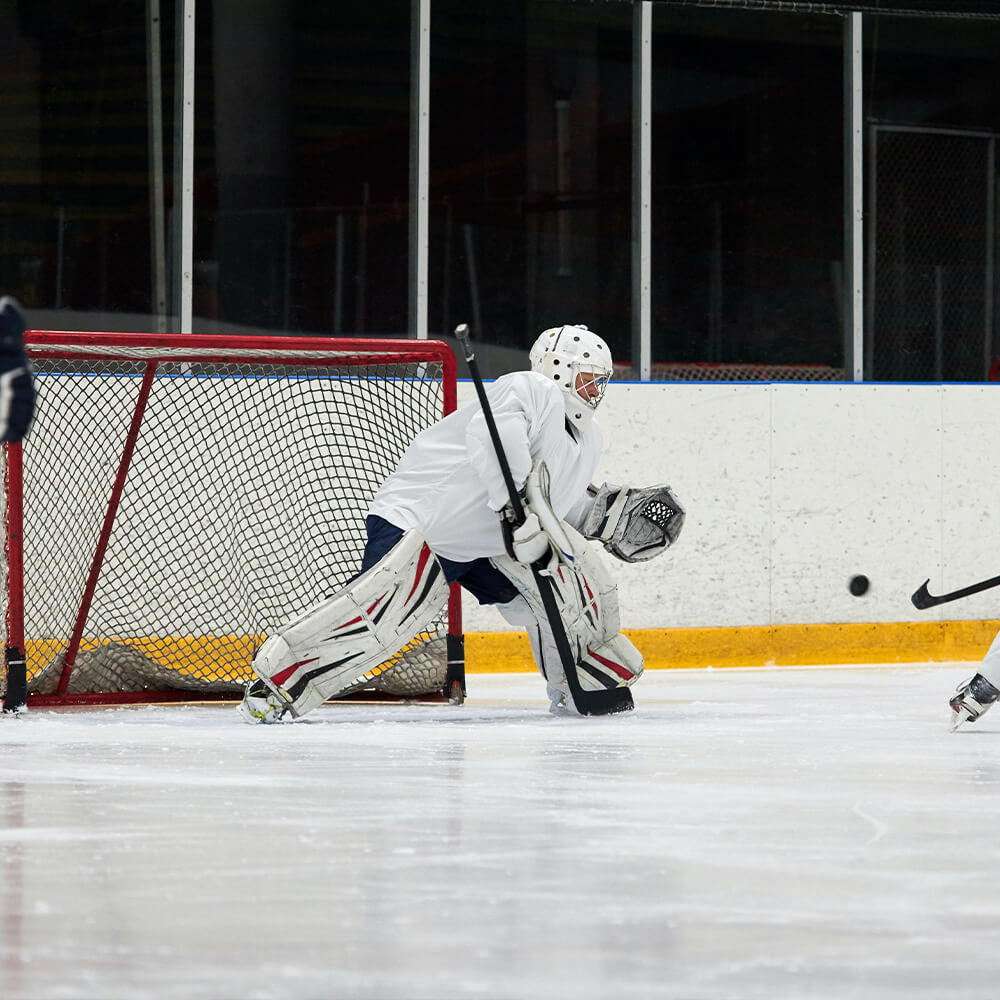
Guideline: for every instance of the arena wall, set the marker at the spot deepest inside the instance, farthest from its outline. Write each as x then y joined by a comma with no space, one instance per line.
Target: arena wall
793,489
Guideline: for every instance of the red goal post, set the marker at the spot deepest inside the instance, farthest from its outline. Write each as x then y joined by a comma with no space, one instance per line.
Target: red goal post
179,497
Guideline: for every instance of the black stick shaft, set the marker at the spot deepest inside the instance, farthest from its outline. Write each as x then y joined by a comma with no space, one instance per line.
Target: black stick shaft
922,598
462,333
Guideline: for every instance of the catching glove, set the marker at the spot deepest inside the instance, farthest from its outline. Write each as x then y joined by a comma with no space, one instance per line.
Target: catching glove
634,524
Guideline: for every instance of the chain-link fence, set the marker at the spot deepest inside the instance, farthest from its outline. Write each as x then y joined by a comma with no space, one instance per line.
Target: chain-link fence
930,254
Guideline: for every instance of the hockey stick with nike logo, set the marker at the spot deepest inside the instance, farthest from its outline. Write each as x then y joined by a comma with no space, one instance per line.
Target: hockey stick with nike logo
608,702
922,598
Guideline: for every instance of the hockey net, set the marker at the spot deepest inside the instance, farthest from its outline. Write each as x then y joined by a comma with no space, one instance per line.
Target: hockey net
178,498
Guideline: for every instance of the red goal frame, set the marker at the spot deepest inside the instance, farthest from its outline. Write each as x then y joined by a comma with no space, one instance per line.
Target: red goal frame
300,351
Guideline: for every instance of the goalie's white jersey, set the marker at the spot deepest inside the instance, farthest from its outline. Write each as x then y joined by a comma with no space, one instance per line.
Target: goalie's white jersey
448,485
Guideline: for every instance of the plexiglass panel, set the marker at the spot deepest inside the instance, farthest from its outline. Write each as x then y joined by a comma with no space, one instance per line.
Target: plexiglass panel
302,219
933,118
530,169
87,129
747,188
303,146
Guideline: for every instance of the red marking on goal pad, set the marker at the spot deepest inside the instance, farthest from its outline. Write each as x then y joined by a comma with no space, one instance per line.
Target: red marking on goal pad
425,554
282,675
592,599
355,620
621,671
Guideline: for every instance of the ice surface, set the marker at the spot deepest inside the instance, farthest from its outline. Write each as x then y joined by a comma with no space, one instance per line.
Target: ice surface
745,833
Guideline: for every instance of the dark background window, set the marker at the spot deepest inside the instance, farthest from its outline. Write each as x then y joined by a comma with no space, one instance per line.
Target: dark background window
302,159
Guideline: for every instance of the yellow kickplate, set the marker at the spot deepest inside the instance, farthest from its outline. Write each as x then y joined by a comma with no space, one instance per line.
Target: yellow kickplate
756,646
762,646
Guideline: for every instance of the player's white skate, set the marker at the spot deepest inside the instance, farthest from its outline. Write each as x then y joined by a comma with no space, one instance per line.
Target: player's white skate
260,704
971,700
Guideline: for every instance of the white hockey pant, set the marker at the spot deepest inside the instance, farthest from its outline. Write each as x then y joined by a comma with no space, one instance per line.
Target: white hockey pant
347,639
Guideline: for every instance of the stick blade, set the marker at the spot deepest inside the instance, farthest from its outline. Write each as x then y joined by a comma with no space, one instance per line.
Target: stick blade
922,598
611,702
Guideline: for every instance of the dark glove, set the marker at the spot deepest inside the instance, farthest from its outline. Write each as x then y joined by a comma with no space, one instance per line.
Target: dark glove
17,389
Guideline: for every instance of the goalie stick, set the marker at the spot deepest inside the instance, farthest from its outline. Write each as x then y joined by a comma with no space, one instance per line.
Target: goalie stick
923,599
607,702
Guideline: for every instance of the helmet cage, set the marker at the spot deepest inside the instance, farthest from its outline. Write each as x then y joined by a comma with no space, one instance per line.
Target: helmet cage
595,377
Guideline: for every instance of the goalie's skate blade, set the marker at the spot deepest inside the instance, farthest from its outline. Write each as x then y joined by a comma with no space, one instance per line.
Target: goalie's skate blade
612,702
959,717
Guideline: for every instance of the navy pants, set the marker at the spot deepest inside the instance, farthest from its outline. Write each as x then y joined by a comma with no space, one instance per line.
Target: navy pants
480,577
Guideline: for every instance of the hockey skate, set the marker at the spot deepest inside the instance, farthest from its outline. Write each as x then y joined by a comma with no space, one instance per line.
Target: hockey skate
261,705
971,700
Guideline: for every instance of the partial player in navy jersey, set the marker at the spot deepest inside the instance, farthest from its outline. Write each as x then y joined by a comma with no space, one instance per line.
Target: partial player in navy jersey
17,389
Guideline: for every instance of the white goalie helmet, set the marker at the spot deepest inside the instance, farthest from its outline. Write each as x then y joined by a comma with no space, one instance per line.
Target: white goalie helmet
579,362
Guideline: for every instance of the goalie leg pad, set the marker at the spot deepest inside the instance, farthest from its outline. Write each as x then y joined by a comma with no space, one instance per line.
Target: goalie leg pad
586,594
587,599
601,667
610,664
347,639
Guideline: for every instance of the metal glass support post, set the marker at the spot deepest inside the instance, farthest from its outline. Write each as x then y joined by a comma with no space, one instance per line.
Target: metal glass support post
183,264
854,246
642,116
420,49
155,143
870,235
989,290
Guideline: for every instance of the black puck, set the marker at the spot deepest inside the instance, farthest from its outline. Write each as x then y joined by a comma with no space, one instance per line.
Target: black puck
858,585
